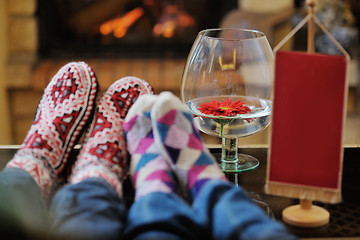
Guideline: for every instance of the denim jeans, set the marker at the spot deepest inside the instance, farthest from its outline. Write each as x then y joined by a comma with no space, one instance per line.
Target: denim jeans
220,211
22,209
92,210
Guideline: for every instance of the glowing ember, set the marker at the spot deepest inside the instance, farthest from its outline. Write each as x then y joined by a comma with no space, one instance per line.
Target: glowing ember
119,26
172,18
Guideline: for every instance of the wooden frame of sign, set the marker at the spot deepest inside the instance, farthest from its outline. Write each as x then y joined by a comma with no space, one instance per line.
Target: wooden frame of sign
306,153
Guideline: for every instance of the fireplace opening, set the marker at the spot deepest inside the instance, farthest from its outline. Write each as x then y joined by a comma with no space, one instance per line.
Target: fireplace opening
119,28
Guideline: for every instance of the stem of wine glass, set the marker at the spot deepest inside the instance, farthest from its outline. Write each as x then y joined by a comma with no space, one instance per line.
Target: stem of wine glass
229,154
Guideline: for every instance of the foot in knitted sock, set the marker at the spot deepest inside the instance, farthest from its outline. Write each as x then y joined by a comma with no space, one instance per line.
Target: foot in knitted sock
66,106
150,171
104,154
180,142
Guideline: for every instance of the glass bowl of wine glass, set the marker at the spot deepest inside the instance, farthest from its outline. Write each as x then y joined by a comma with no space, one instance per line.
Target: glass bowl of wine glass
227,86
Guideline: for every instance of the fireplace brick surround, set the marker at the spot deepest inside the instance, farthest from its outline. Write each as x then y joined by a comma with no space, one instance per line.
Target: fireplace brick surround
19,49
22,42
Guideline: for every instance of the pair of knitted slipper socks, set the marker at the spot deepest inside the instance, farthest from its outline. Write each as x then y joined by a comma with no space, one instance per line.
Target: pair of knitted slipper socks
66,107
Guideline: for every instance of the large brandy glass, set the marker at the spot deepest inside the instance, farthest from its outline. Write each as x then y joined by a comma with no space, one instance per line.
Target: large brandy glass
226,85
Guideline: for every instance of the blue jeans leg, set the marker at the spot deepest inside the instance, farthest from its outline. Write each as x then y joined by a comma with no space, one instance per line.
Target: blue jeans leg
164,216
233,214
23,211
220,211
90,209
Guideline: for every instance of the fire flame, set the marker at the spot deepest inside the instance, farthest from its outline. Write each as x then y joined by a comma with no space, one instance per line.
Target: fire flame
119,26
171,18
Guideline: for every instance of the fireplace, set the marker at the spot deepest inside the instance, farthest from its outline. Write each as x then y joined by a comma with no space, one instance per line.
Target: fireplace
46,34
123,29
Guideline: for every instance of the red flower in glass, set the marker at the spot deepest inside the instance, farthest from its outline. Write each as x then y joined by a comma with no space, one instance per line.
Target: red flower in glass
226,108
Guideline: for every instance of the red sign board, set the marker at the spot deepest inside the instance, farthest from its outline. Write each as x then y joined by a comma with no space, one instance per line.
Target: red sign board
307,120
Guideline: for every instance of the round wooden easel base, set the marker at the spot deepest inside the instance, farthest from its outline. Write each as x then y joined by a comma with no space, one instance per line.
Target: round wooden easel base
314,216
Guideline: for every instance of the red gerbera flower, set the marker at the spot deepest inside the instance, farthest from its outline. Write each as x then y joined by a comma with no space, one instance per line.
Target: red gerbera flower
226,108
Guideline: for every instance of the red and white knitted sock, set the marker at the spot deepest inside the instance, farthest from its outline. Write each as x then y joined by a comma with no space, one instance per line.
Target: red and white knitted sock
104,154
65,108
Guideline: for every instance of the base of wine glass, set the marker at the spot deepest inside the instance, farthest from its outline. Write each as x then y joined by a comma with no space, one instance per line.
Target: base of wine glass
244,163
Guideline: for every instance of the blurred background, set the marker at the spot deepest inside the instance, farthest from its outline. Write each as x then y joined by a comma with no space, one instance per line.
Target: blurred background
149,39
